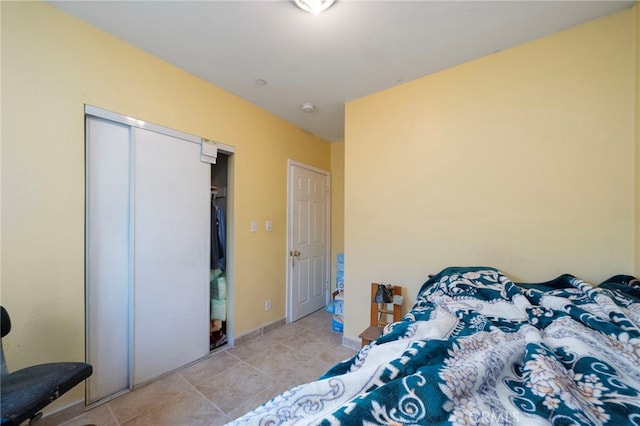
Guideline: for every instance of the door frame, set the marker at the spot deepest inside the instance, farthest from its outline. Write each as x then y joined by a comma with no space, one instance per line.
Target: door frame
290,233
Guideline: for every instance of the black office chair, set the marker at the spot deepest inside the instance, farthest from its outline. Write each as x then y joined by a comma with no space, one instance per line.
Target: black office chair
25,392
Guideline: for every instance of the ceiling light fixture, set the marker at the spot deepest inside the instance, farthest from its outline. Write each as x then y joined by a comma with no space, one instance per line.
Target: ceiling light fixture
314,6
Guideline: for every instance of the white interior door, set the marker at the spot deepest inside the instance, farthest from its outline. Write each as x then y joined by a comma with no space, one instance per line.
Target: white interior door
308,284
171,240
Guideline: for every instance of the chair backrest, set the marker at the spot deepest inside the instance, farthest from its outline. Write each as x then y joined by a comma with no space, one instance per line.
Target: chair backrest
25,392
5,323
384,313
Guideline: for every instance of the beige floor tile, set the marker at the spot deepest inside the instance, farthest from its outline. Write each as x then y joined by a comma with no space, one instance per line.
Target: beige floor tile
98,416
231,382
317,325
315,321
335,338
259,399
308,342
312,370
278,361
188,408
234,386
286,332
209,367
147,398
254,346
337,354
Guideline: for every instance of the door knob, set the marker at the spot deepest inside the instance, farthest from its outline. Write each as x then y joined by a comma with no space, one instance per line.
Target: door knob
295,253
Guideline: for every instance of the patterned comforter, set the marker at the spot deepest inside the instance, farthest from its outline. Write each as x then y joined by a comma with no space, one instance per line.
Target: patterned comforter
478,349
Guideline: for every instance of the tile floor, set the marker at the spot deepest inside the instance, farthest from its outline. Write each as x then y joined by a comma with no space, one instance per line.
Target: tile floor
230,382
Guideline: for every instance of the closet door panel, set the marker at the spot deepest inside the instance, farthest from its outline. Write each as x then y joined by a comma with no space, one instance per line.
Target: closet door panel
171,251
107,257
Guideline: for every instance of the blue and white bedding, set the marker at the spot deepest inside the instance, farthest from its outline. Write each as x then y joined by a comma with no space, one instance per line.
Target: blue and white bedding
478,349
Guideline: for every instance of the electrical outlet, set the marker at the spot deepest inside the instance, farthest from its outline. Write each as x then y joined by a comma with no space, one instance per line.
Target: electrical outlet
267,305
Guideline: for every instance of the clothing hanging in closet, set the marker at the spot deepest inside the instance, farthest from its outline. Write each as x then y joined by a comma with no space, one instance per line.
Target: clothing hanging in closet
218,237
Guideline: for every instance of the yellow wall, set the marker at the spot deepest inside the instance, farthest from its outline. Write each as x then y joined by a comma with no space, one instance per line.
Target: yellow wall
522,160
52,64
337,205
637,131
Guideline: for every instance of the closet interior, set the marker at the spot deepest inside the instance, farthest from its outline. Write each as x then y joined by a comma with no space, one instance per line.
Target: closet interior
218,262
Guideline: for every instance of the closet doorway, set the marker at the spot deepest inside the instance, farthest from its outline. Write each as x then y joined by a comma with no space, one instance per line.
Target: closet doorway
221,260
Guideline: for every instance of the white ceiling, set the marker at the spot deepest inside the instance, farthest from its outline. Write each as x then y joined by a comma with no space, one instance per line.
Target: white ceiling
356,48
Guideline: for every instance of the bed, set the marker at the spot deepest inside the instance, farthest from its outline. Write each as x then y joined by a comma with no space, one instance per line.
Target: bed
479,349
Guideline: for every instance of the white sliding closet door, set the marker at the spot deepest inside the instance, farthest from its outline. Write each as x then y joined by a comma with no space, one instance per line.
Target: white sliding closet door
107,252
147,254
171,239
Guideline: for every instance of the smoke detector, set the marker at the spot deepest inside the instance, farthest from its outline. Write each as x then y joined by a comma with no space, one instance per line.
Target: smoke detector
308,107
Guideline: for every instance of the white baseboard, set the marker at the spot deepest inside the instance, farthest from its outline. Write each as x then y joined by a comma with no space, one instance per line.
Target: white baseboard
260,331
63,414
351,343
